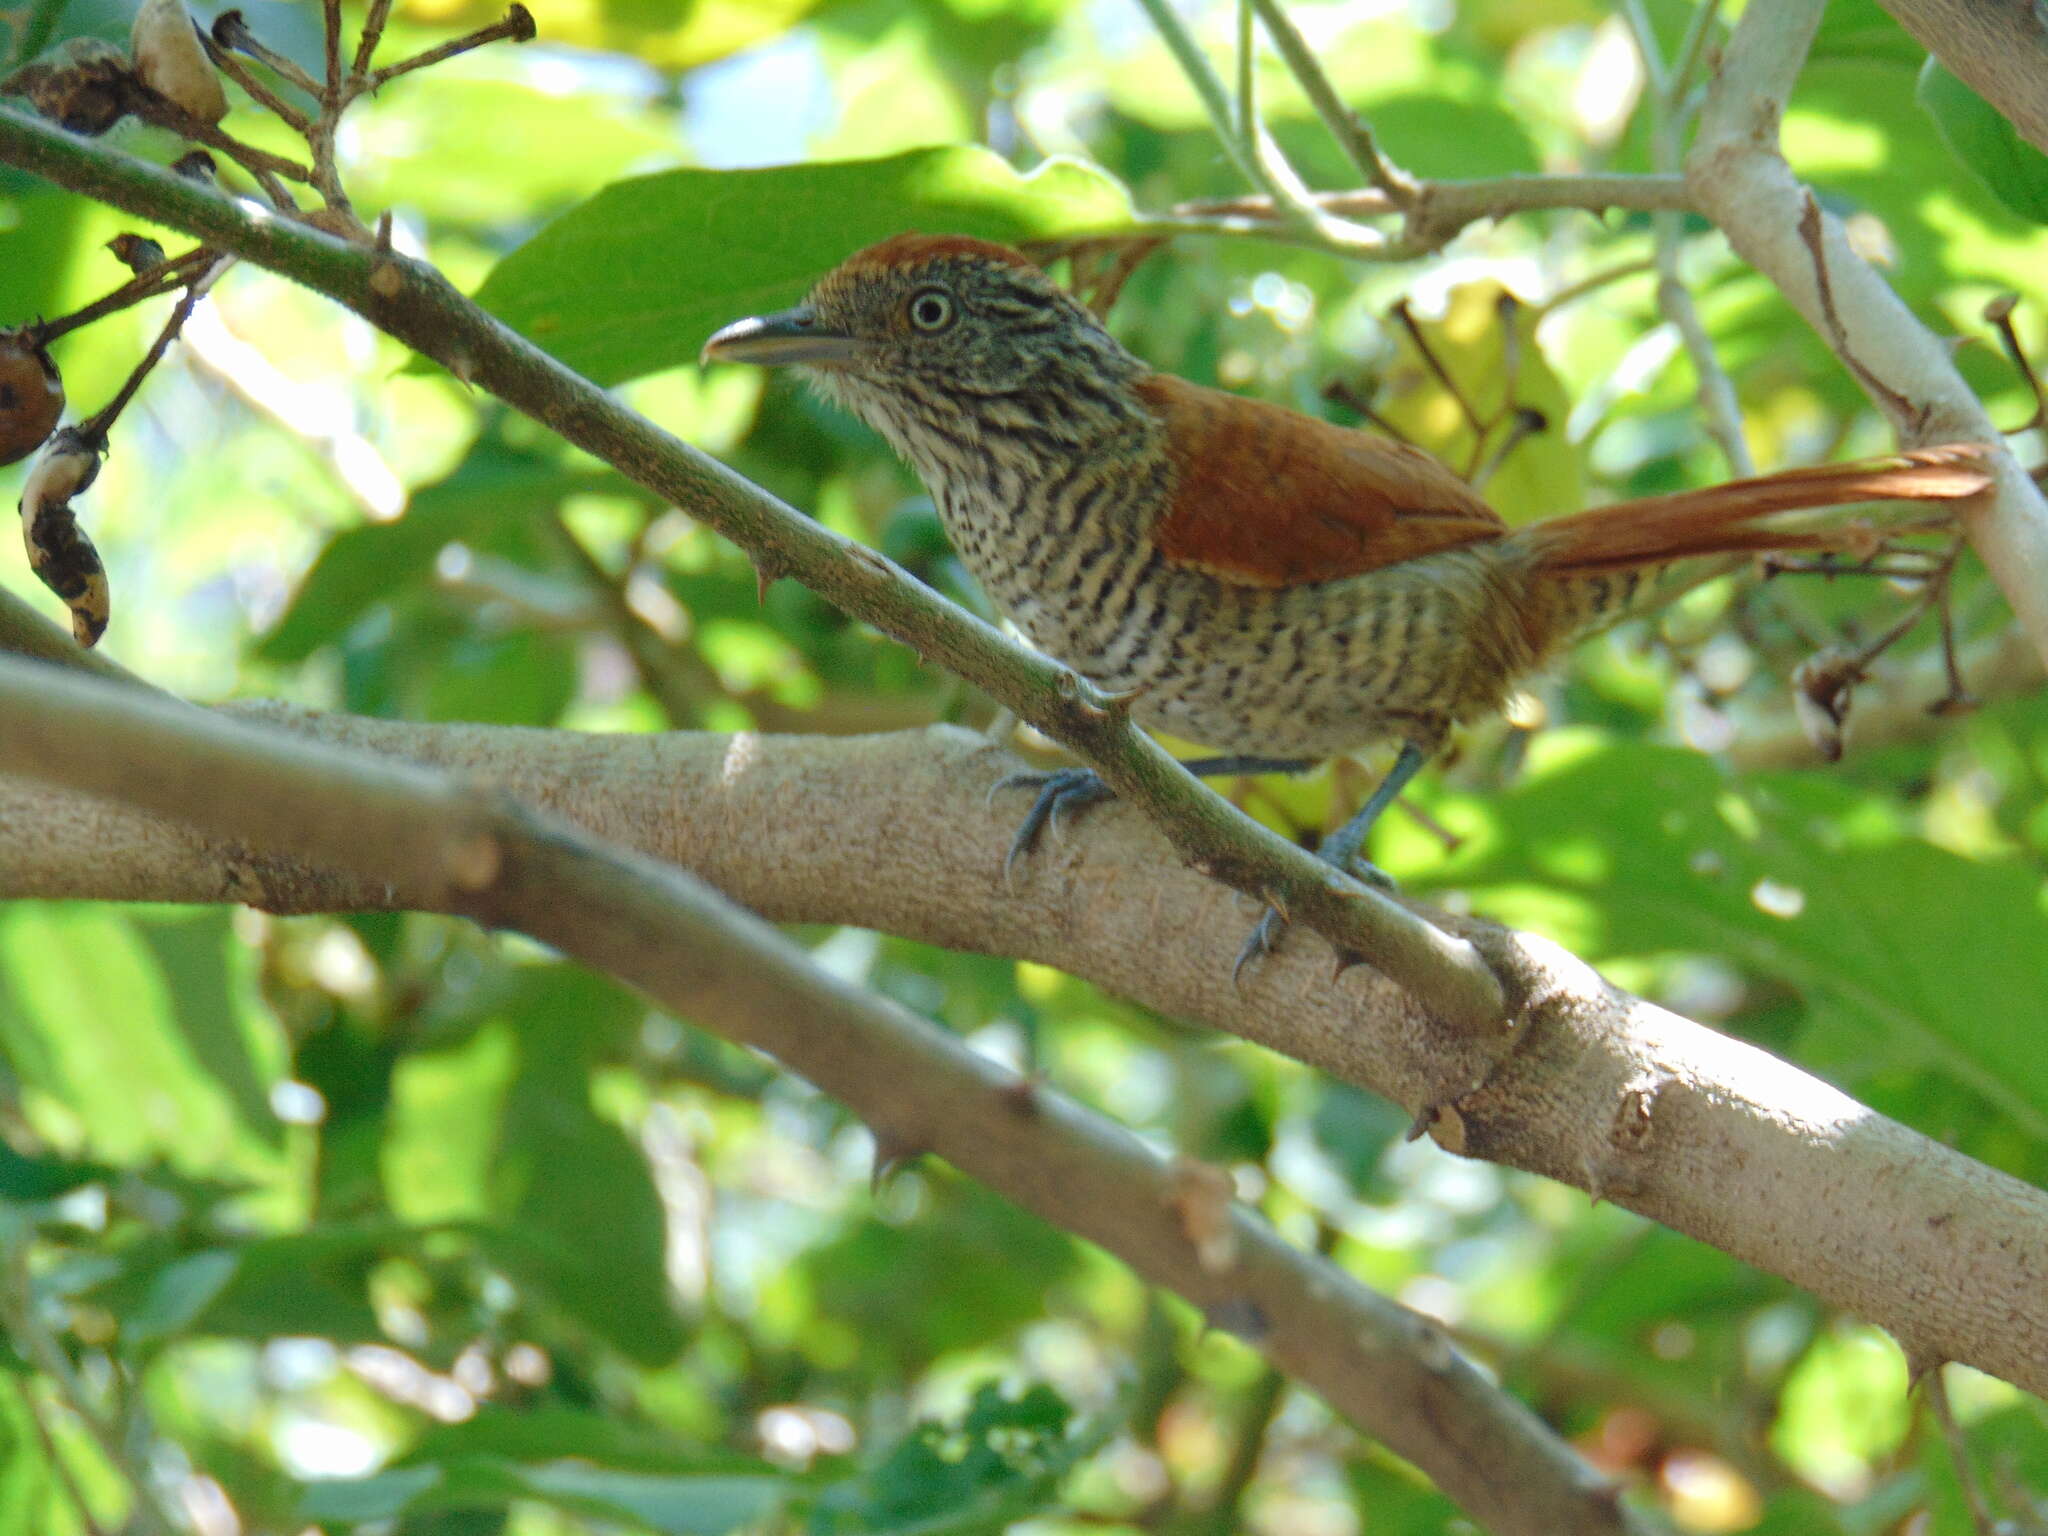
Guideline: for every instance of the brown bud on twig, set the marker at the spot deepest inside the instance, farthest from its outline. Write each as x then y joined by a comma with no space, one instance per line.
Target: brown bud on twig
31,396
197,165
86,88
138,253
58,551
1823,686
171,61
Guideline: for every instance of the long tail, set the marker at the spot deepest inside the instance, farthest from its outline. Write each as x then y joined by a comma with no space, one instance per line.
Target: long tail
1743,516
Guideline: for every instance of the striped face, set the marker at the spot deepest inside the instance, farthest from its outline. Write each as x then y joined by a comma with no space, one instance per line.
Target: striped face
966,350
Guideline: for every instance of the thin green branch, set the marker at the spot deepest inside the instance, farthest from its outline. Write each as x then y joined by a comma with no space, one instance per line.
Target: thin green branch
1251,147
1723,412
1344,125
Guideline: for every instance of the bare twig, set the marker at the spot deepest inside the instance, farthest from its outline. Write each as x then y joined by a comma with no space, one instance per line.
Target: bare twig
232,31
374,17
1983,1518
1999,313
1739,178
144,285
1251,147
1593,283
165,113
226,61
516,25
94,429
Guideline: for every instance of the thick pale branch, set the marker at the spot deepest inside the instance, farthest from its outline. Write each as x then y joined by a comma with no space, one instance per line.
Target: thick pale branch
1741,182
414,303
1595,1088
404,832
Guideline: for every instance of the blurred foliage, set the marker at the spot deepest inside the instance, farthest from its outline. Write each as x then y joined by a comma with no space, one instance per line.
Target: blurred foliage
385,1223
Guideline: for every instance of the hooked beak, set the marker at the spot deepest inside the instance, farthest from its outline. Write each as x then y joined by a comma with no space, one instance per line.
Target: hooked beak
789,336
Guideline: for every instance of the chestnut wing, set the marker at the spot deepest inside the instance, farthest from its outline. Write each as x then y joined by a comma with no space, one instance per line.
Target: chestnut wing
1268,497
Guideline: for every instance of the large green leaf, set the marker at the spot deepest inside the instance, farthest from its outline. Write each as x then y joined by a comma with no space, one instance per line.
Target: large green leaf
709,1503
129,1027
1978,134
502,1127
970,1270
634,279
377,562
1001,1463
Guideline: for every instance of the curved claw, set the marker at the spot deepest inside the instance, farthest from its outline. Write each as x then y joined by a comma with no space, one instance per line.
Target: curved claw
1260,943
1060,790
1265,938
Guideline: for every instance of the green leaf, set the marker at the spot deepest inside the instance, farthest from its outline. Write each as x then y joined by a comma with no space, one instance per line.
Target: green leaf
213,1007
313,1284
971,1269
125,1028
579,1462
1979,135
31,1496
636,278
384,1496
28,1180
178,1295
38,226
709,1505
373,563
1640,850
1001,1463
502,1127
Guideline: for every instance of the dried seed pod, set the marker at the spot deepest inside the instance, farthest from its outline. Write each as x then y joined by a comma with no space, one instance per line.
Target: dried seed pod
31,396
172,62
197,165
138,253
58,551
86,87
1823,687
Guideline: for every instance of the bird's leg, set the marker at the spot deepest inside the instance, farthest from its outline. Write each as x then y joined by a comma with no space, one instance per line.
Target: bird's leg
1063,790
1341,849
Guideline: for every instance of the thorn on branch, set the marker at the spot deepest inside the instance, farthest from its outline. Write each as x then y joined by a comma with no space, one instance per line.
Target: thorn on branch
1999,312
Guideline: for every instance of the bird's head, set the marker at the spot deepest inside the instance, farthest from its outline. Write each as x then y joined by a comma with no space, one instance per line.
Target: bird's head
941,337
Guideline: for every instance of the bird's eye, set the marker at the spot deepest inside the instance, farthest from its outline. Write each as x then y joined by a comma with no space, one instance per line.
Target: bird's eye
932,309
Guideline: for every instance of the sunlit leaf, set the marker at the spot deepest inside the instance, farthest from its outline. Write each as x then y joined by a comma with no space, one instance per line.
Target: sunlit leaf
1980,136
1485,343
129,1030
1673,856
683,252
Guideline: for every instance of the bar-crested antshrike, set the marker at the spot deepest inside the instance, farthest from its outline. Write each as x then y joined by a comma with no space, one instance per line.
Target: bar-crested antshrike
1260,581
